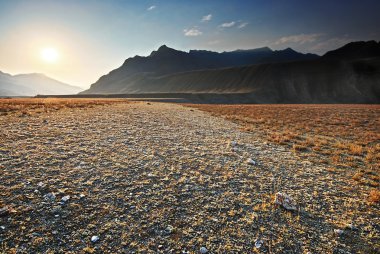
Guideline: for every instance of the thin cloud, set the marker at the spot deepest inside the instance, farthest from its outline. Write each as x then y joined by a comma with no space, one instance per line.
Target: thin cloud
242,25
299,39
228,24
192,32
207,18
151,8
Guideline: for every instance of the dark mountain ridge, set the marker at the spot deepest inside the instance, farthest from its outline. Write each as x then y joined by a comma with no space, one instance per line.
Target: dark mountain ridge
350,74
166,61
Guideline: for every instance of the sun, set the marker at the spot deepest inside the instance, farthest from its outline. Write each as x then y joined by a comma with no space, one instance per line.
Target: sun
49,55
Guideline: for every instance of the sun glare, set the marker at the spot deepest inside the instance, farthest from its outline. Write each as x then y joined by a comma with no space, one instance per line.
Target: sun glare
49,55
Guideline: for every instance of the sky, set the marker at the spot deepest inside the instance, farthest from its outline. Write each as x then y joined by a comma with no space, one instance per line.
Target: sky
90,38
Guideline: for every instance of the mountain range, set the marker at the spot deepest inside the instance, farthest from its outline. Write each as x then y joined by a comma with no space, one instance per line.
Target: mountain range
350,74
33,84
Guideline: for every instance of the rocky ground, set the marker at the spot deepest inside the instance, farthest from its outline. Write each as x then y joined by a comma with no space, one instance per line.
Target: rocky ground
162,178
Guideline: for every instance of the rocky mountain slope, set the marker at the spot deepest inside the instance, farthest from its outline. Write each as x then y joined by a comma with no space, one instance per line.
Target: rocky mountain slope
166,61
33,84
350,74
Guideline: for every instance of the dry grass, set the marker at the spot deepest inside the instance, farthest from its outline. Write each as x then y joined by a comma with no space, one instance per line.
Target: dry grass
345,136
29,106
374,196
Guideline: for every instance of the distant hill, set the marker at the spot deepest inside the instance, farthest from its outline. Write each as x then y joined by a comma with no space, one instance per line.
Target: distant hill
33,84
350,74
167,61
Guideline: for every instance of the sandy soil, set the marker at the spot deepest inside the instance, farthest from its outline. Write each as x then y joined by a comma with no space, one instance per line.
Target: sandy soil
162,178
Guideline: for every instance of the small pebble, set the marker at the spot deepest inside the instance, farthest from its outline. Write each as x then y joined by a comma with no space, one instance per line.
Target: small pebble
65,198
94,238
203,250
338,231
169,229
251,162
50,196
258,243
2,227
351,226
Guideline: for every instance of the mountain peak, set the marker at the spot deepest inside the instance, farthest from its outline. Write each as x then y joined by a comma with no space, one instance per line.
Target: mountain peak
164,50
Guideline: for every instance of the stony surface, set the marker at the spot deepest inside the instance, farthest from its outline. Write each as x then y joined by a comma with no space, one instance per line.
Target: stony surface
162,178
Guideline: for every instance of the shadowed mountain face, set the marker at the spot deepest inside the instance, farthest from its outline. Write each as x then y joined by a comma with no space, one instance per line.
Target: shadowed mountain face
350,74
33,84
167,61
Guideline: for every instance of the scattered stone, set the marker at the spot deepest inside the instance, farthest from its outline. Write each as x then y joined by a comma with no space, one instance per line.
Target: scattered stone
251,162
351,227
285,201
54,232
338,232
2,227
49,196
258,243
94,238
233,143
65,198
203,250
40,184
169,229
4,211
82,195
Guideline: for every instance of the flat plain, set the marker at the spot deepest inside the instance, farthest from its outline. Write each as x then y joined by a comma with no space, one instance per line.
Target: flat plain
114,176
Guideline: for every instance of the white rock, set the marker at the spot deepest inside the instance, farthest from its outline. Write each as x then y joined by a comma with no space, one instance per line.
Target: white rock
65,198
82,195
234,143
258,243
2,227
49,196
94,238
169,229
338,231
285,201
251,162
203,250
351,226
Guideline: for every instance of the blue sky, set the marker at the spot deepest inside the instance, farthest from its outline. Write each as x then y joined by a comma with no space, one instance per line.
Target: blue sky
94,37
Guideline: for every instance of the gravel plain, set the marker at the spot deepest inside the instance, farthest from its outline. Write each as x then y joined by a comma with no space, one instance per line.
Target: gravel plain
162,178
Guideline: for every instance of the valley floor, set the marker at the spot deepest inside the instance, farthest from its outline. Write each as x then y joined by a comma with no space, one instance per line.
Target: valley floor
163,178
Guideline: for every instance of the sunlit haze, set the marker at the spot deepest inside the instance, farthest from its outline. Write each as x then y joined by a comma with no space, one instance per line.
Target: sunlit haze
79,41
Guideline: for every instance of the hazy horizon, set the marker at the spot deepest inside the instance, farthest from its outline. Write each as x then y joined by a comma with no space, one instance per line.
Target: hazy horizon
76,42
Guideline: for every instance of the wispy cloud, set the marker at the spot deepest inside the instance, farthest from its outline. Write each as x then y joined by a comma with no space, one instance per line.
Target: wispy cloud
207,18
228,24
299,39
192,32
242,25
151,8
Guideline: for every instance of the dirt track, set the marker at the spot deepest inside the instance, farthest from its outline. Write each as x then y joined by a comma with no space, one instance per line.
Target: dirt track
162,178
